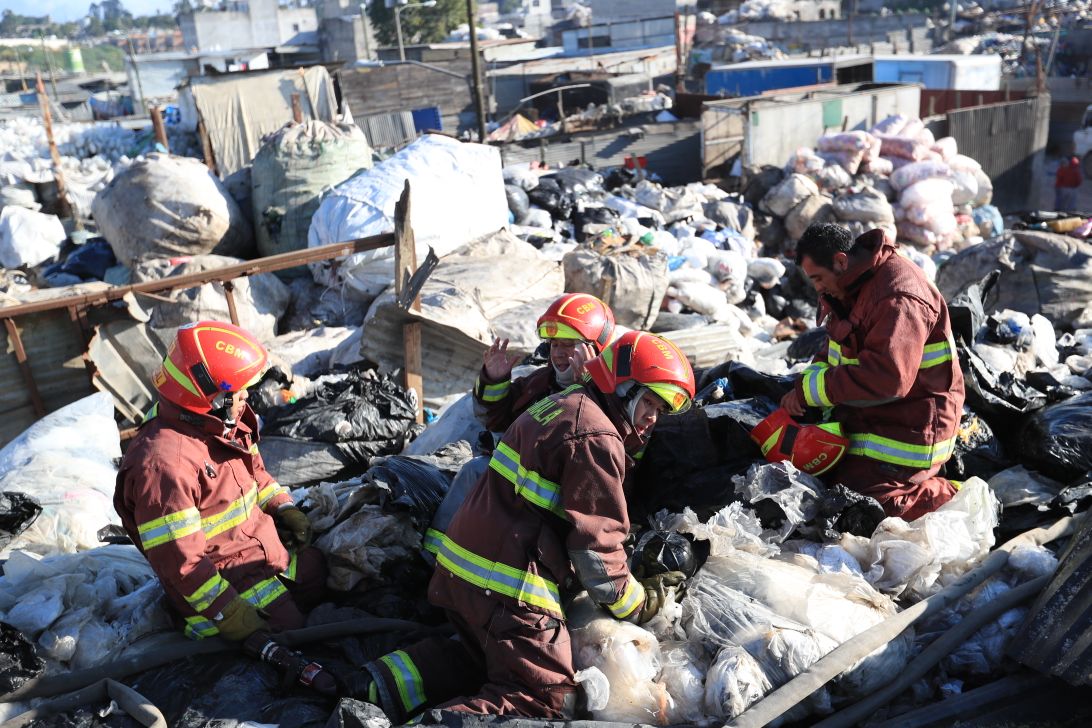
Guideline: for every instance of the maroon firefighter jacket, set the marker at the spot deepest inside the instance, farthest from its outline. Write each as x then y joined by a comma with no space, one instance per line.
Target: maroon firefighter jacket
891,372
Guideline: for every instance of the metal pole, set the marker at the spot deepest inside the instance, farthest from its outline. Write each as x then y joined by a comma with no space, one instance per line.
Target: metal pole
398,29
476,70
136,72
22,68
49,65
364,30
952,5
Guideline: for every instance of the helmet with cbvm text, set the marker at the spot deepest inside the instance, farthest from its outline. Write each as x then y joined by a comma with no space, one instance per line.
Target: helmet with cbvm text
578,316
815,449
207,360
649,362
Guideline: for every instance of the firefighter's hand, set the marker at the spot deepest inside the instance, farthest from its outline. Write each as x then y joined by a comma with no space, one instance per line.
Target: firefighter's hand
294,527
498,362
656,592
239,619
582,354
792,403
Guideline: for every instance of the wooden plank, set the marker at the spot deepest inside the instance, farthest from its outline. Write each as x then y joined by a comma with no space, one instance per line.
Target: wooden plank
21,357
405,262
64,209
158,128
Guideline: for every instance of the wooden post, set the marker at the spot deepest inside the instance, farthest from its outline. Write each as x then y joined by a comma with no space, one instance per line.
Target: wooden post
405,263
206,146
229,294
159,129
16,342
63,208
297,110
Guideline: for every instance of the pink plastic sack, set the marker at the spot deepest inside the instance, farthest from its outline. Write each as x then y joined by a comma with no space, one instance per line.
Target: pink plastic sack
892,125
927,192
849,141
921,237
912,128
901,146
850,161
878,165
918,171
946,148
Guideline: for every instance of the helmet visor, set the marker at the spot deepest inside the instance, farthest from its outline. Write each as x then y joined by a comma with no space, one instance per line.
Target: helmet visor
678,399
555,330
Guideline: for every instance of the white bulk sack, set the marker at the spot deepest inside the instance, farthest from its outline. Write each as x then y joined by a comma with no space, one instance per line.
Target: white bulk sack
458,196
28,237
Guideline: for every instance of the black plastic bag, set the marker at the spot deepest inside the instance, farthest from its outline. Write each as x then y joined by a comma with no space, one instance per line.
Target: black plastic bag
809,344
18,660
17,512
743,381
977,450
418,483
550,197
518,201
659,551
356,407
966,311
1057,440
87,262
577,181
351,713
1075,498
842,510
998,395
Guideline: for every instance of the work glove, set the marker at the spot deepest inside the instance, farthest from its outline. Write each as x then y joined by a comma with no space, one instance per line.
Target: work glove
656,592
294,527
239,619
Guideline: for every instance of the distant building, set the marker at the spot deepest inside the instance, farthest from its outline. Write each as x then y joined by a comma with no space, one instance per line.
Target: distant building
610,10
249,24
107,10
344,34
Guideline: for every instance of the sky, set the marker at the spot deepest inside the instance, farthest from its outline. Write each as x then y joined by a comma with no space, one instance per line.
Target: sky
62,11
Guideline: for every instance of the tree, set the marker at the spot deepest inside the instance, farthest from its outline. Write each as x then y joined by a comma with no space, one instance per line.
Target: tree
419,25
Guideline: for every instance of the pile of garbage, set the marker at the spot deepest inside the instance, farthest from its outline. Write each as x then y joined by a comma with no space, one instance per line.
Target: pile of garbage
763,10
716,40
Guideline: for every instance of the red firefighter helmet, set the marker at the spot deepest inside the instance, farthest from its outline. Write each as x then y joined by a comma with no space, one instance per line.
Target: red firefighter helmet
651,362
207,359
578,316
815,449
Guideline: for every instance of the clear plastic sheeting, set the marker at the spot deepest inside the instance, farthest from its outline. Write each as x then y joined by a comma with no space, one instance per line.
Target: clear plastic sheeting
65,462
783,496
730,528
913,560
366,545
734,682
85,609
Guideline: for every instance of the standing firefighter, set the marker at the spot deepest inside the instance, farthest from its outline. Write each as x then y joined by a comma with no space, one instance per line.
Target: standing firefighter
891,378
548,518
196,499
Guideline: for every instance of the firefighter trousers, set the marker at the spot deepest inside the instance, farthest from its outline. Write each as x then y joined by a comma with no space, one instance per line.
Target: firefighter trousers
503,660
903,492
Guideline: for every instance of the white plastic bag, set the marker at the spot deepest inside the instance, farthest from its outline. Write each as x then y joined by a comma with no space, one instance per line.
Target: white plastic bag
734,682
28,238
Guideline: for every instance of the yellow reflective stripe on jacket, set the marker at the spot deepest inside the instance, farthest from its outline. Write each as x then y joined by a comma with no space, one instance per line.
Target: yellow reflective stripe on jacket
632,597
494,576
235,514
203,597
290,572
253,448
936,354
264,592
529,485
815,385
493,392
892,451
411,688
170,527
198,628
269,492
431,542
834,355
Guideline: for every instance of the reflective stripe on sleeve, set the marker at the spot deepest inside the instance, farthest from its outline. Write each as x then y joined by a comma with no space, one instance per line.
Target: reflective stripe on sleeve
411,689
170,527
815,386
529,485
936,354
270,492
264,592
493,392
237,512
432,540
633,596
494,576
198,628
203,597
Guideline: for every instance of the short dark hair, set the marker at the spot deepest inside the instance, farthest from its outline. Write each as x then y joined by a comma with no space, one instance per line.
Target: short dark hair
821,241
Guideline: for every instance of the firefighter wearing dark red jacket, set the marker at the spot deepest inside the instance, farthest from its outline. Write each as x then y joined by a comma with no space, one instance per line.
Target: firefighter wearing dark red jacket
575,324
194,496
890,377
547,519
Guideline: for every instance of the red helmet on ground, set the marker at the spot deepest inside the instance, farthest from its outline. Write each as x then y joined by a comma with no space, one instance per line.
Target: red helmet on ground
815,449
207,359
578,316
650,361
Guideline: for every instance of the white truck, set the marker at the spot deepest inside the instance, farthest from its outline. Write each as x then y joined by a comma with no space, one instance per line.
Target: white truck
1082,143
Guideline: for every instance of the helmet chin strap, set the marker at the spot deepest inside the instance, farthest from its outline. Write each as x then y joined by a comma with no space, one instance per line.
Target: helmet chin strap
223,410
630,393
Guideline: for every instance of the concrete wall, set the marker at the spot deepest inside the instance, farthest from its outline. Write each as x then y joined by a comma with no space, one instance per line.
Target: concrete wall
830,33
371,91
628,9
264,26
624,34
341,39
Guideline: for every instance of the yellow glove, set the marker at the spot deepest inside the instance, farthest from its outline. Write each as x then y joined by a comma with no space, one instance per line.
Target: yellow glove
294,527
239,619
656,592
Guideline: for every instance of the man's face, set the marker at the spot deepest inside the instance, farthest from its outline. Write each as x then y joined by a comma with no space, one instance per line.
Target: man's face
649,407
825,280
561,350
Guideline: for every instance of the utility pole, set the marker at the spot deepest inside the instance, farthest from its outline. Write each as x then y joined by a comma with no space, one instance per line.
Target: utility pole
64,209
476,70
49,65
22,69
136,72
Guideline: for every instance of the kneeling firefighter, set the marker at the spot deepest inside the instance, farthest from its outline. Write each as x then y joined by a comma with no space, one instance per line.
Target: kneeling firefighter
546,520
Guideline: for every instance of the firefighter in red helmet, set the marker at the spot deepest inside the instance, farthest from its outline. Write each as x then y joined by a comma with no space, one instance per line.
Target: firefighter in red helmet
553,490
230,549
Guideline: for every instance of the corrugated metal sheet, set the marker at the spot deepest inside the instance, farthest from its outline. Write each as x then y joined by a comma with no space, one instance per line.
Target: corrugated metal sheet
1056,637
673,150
1008,140
388,130
707,346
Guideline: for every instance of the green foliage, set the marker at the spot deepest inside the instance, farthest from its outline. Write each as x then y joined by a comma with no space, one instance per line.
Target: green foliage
419,25
34,59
